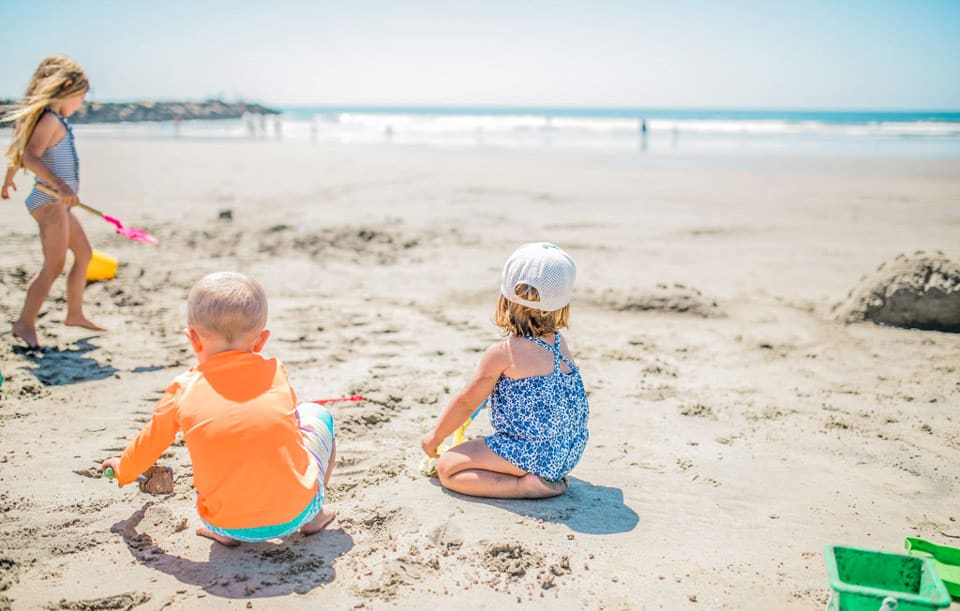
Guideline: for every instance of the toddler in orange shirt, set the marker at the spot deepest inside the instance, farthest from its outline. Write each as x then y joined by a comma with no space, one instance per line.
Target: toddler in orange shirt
261,463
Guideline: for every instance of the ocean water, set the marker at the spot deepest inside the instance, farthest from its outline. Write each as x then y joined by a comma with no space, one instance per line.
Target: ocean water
641,131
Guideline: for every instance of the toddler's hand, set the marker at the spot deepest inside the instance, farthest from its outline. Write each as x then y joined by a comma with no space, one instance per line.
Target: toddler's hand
5,193
111,463
429,443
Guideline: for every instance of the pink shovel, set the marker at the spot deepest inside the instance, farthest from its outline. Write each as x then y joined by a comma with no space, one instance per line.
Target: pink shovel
132,233
337,400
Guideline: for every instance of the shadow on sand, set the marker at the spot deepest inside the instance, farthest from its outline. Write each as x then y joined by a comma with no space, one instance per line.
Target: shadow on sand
253,570
56,367
584,508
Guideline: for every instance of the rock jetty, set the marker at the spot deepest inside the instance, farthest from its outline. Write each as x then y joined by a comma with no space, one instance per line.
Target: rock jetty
118,112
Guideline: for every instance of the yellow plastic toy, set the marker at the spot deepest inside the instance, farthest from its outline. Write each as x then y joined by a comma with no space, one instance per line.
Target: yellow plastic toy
102,267
428,465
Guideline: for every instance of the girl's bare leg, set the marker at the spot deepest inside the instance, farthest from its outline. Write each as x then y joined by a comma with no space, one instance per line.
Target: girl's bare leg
54,238
77,278
473,468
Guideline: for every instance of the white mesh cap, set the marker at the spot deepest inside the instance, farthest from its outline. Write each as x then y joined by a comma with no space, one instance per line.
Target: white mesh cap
545,267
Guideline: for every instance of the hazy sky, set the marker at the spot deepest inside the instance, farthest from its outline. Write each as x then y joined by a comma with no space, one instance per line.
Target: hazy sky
878,54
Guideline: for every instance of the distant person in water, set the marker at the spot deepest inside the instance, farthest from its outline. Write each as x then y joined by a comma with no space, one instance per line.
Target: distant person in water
43,143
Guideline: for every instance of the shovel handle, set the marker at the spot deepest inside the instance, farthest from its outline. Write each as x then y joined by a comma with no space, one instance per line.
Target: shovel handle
53,193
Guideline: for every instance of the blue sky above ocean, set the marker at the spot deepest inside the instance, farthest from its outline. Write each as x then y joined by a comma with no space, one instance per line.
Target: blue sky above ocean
631,54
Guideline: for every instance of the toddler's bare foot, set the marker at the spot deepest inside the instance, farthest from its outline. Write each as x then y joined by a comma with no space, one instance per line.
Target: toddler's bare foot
320,522
535,487
203,532
82,321
27,334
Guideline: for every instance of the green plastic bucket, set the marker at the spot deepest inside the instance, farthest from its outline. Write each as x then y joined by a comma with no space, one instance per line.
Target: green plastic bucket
866,580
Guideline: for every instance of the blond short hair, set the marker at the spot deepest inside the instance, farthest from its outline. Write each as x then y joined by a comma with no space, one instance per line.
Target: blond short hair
516,319
227,304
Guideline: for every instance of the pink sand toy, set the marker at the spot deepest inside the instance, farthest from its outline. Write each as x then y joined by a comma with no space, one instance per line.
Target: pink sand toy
132,233
337,400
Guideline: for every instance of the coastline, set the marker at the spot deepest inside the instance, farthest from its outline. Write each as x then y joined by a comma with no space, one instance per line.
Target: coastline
654,132
730,442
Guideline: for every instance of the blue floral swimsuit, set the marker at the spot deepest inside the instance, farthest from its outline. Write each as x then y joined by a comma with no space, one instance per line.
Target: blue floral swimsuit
540,421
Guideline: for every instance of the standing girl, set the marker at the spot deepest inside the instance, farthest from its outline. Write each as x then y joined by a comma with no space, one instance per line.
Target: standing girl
43,143
538,406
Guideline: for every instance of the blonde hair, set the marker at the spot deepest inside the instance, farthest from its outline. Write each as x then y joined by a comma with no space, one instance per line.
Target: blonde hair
57,77
516,319
227,304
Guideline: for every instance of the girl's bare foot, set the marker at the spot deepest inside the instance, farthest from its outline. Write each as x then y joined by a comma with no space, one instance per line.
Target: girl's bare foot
203,532
535,487
82,321
27,334
320,522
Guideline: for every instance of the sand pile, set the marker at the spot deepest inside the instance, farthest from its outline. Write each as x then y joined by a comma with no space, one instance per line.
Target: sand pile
674,298
920,291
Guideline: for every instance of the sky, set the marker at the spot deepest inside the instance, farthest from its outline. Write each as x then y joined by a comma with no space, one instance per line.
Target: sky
803,54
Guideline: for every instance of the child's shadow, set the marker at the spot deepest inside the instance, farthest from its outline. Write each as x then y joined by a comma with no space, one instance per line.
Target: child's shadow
584,508
56,367
253,570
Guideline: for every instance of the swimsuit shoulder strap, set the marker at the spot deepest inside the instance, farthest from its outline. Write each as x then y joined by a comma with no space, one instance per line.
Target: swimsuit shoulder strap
61,118
556,342
557,355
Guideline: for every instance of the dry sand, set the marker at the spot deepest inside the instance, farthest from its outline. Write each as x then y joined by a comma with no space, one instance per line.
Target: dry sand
736,428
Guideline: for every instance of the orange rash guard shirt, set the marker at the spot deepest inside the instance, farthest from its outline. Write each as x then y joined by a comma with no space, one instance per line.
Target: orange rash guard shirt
238,416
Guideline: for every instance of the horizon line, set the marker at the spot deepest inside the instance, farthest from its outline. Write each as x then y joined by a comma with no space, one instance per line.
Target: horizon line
516,106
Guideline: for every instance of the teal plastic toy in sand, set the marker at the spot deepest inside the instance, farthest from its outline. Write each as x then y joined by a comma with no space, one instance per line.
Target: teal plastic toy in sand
946,560
868,580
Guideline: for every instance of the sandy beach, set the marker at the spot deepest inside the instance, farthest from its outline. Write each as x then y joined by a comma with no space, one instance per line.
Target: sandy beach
736,427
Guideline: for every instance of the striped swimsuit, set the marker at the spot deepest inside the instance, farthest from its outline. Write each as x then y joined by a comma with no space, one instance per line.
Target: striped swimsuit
62,160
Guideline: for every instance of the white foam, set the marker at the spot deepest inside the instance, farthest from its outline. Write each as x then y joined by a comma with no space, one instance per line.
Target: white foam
520,130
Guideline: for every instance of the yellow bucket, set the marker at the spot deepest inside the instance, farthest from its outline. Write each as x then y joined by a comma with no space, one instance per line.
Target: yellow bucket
102,267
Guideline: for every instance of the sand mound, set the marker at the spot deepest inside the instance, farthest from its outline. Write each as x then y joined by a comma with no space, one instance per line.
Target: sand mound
674,298
920,291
